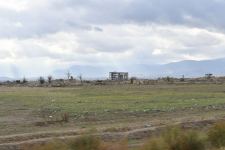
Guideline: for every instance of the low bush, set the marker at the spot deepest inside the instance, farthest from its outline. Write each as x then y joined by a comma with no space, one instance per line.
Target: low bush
175,139
216,135
155,144
178,139
191,141
56,145
65,117
122,145
86,143
41,80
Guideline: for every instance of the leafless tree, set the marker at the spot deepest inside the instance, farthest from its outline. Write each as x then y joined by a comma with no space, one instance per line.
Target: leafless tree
50,79
182,79
80,78
208,75
71,78
24,80
68,74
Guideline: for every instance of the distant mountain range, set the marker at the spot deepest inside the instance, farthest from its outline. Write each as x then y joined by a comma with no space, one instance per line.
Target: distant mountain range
188,68
5,79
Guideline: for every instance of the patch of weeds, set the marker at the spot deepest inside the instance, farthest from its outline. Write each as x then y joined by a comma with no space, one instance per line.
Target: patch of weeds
56,145
119,129
216,135
86,143
176,139
155,144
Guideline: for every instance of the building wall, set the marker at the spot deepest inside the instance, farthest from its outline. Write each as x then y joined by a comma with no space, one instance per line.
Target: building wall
118,76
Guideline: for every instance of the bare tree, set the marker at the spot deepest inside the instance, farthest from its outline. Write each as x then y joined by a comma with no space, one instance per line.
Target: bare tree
80,78
50,79
24,80
182,79
68,74
208,75
71,78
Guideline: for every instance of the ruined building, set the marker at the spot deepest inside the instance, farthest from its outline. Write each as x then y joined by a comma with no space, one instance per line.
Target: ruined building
118,75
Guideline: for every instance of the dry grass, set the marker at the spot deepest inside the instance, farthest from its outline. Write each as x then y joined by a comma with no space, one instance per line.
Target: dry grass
85,142
56,145
155,144
175,139
216,135
122,145
172,139
88,105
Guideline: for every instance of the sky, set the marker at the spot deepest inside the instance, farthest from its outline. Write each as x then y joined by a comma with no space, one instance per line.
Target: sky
38,37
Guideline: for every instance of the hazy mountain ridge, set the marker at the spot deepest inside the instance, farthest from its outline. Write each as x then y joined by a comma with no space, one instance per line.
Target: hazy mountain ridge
189,68
5,79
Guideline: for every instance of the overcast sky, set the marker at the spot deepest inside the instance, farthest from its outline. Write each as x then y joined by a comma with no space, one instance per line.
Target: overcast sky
40,36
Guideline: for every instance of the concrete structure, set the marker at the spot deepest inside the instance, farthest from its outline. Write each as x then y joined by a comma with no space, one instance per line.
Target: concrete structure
118,75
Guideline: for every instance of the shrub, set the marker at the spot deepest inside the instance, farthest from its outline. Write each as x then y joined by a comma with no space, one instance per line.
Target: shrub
50,79
24,80
57,145
175,139
82,143
191,141
155,144
41,80
86,143
65,117
216,135
172,137
18,81
122,145
178,139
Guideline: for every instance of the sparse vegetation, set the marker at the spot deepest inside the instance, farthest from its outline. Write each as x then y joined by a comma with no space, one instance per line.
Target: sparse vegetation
216,135
208,75
80,77
18,81
115,109
24,80
41,80
172,139
86,143
155,144
54,145
50,79
176,139
65,117
68,74
182,79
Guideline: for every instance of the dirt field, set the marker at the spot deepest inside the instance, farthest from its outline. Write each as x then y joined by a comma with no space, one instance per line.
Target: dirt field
114,111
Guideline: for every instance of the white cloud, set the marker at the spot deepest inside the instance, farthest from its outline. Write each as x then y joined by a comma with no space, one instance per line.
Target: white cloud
18,25
23,5
114,45
58,33
157,52
16,5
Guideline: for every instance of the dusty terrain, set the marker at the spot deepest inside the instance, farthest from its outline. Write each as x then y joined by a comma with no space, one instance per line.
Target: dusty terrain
31,115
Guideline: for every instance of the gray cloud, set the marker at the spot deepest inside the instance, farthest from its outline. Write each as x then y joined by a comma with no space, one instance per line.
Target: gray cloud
196,13
53,16
59,33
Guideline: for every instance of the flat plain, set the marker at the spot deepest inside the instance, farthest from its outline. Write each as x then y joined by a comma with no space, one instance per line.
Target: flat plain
111,108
